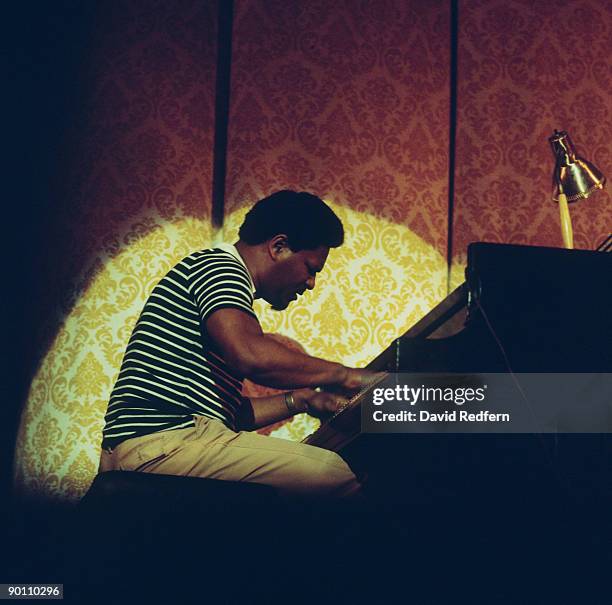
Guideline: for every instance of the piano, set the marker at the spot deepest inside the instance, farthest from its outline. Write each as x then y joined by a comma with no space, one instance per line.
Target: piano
522,309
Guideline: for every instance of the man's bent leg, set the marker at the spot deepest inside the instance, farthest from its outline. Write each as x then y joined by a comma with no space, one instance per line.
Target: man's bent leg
211,450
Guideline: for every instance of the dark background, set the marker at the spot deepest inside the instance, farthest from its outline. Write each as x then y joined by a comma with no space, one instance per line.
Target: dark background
46,47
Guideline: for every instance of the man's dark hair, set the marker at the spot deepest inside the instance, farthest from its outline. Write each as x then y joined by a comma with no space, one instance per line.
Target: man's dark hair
306,219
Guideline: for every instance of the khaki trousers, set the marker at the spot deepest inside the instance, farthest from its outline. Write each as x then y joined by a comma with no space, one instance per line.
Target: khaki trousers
211,450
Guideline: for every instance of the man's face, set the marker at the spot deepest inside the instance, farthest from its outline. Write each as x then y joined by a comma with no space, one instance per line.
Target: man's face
292,274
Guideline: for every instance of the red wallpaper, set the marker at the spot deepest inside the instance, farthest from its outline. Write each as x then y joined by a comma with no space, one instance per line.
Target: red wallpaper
346,99
140,150
526,68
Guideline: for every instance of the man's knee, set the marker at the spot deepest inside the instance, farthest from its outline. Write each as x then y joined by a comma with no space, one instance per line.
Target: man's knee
326,476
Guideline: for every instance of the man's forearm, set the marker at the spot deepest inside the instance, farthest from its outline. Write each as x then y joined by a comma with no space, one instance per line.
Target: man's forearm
254,355
262,411
273,364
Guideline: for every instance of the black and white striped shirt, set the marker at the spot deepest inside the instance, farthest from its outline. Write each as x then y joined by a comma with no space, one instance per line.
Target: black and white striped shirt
171,369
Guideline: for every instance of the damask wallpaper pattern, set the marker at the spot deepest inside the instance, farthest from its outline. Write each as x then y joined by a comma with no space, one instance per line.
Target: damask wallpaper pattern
347,99
525,69
133,198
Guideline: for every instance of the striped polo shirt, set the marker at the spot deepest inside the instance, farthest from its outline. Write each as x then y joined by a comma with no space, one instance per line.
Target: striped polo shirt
171,369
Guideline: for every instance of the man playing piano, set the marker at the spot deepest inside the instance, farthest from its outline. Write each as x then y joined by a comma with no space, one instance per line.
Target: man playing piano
177,407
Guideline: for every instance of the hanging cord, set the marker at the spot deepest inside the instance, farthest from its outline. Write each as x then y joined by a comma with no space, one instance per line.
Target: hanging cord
562,478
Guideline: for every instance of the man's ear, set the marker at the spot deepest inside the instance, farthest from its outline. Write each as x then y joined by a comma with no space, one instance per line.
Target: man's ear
278,246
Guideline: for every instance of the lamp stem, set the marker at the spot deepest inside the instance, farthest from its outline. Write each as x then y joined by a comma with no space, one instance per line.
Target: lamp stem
566,222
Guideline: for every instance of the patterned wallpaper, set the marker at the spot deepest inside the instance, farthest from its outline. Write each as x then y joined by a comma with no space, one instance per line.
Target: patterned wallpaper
347,99
526,68
140,149
133,199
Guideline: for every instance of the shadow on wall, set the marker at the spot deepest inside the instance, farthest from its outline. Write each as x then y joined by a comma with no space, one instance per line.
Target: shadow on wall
128,172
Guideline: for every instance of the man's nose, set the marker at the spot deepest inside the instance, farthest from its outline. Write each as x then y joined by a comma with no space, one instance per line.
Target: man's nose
310,282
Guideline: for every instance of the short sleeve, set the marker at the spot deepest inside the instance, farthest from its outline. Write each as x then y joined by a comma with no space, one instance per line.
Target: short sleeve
220,281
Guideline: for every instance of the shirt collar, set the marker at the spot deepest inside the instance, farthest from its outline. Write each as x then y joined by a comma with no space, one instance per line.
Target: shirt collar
231,249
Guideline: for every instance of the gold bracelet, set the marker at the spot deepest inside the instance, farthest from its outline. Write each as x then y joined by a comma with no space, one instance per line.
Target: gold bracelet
290,402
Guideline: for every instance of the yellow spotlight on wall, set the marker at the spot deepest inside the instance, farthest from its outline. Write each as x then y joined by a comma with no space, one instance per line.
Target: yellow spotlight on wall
373,288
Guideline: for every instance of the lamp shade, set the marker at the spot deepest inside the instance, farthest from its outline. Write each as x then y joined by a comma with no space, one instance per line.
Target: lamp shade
573,175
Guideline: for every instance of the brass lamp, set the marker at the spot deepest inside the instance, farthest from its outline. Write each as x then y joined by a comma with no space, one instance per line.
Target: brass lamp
573,178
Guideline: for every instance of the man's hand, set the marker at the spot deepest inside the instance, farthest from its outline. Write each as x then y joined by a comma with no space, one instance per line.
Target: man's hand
357,379
318,403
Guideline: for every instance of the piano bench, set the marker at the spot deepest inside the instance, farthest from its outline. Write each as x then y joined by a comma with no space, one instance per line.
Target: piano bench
130,488
145,537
